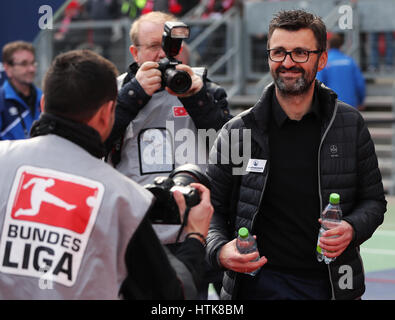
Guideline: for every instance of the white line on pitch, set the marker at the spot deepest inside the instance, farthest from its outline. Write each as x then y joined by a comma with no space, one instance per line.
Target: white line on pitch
378,251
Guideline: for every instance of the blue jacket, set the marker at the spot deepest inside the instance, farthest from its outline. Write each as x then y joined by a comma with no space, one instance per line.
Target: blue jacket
343,76
12,126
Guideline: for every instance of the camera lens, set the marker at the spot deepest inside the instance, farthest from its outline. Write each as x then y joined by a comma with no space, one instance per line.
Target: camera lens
165,209
188,173
178,80
184,179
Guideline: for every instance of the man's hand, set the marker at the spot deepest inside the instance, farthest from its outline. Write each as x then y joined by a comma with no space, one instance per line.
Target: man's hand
149,77
232,259
197,82
200,215
334,247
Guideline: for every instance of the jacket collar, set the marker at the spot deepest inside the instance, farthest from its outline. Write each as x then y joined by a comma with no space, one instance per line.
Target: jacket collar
262,109
11,94
83,135
281,117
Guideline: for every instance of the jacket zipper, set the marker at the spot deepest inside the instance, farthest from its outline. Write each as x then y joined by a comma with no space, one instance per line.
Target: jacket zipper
319,187
261,197
253,218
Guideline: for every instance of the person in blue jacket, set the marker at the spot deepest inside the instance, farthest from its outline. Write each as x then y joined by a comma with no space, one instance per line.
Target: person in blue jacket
19,97
343,75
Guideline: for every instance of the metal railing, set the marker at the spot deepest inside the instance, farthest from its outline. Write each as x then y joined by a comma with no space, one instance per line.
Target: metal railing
387,162
229,60
227,66
80,35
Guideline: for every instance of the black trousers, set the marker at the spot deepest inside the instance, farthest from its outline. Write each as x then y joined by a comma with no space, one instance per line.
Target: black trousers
273,285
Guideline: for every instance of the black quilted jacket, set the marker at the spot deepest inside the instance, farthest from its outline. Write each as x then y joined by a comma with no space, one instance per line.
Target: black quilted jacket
347,165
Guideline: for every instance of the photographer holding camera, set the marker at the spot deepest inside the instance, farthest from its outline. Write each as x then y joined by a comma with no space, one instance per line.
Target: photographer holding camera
146,103
74,227
142,143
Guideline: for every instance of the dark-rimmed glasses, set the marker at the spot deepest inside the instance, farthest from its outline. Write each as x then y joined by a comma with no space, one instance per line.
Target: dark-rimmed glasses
297,55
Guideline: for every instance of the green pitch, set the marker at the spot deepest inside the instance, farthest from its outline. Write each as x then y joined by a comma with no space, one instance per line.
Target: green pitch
378,253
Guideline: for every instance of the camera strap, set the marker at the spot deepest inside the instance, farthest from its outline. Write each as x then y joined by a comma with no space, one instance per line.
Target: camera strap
184,222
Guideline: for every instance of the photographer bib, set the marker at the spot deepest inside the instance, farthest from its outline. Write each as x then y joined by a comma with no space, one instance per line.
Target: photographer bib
161,138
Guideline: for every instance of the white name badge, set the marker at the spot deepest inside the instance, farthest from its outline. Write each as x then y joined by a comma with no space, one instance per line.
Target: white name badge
256,165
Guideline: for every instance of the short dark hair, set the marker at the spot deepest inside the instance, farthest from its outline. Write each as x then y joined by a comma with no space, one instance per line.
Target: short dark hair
78,83
295,20
10,48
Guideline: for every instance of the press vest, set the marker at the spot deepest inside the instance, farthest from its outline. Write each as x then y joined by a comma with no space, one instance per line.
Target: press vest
161,137
66,219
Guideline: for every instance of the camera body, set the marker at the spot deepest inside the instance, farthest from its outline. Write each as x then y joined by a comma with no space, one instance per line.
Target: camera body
177,80
165,209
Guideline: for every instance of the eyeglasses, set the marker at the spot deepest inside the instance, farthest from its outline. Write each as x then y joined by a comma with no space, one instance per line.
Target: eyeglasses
151,47
297,55
25,64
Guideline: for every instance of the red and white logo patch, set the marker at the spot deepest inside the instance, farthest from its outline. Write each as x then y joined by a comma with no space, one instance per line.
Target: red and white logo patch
53,201
49,218
180,112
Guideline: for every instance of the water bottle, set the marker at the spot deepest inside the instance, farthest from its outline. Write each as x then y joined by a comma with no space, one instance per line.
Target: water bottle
331,217
246,243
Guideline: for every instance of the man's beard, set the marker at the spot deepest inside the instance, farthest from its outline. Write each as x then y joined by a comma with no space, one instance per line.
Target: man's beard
299,86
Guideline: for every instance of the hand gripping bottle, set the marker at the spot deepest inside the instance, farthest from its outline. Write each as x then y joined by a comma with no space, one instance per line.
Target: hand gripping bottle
246,243
331,217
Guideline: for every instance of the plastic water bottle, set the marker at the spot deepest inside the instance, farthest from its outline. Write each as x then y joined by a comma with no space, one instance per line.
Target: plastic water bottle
331,217
246,243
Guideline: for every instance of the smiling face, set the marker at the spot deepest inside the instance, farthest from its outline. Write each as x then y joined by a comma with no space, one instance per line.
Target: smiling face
291,78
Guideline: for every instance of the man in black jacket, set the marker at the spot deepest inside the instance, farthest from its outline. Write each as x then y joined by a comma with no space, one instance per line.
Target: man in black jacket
305,145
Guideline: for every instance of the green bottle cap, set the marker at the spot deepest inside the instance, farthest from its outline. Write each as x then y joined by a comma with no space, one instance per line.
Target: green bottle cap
334,198
243,232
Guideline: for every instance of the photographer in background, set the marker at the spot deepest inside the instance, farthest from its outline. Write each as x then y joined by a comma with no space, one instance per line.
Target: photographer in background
77,227
144,104
144,109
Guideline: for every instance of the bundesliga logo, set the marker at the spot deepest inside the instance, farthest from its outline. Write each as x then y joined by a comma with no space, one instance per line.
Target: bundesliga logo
49,218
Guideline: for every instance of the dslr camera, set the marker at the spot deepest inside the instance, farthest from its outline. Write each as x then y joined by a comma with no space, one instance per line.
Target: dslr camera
165,209
177,80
